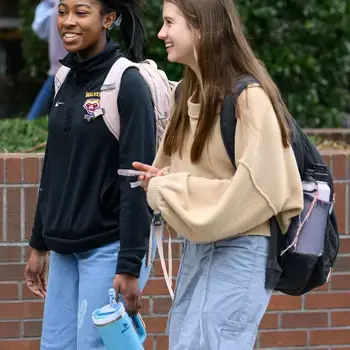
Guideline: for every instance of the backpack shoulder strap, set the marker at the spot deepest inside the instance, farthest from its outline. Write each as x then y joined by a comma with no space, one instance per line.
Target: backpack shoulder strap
60,77
228,116
109,94
160,89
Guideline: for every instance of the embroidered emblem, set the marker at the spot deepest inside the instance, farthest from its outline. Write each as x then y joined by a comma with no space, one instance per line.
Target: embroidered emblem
92,107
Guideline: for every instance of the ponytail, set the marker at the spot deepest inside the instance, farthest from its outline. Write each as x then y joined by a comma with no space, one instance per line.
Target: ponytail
131,28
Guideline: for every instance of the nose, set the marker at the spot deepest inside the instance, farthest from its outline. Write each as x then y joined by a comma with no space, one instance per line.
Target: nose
69,20
162,34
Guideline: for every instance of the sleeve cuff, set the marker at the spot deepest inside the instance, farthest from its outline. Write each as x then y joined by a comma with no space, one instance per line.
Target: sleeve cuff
37,242
153,192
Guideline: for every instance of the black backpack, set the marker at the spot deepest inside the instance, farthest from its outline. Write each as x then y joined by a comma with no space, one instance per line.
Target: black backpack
289,271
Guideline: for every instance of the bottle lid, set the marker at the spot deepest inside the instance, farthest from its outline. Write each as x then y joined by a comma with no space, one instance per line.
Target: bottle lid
108,313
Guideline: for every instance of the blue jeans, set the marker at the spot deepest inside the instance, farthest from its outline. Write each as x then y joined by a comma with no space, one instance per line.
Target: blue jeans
41,104
220,295
78,284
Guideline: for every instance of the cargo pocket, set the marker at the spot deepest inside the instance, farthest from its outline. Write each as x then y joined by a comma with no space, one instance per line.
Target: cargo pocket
237,336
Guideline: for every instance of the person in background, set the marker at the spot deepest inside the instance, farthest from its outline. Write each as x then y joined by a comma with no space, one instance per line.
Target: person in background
57,51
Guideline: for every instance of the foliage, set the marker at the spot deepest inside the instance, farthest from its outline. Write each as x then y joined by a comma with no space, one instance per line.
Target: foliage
305,45
18,135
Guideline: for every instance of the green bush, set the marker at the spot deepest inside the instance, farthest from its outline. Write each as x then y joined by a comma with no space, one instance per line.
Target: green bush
18,135
304,43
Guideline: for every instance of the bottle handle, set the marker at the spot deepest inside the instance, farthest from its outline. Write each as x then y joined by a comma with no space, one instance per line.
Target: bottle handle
140,327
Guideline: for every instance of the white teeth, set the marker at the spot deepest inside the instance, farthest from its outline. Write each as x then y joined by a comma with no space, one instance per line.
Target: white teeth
168,45
70,35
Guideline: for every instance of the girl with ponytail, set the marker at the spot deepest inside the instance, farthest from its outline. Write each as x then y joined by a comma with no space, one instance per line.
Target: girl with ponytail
85,214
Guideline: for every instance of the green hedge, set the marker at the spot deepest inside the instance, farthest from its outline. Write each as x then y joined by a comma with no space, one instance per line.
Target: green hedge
305,45
18,135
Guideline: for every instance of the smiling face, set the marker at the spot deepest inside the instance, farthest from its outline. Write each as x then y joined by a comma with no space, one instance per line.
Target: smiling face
179,37
82,25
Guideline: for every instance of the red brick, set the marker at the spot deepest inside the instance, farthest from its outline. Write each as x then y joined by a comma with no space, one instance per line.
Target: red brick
161,305
284,302
327,300
13,272
156,287
327,160
330,337
21,310
155,324
340,192
175,250
304,320
323,288
13,170
31,170
32,329
339,166
19,344
145,306
342,264
10,254
162,342
30,200
157,268
344,247
1,213
148,344
13,214
8,291
340,318
10,330
2,167
340,282
269,321
283,339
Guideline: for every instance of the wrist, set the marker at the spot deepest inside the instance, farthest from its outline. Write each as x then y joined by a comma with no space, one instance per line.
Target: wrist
37,252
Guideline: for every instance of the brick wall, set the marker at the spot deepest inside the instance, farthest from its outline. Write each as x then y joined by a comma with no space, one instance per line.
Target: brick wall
320,320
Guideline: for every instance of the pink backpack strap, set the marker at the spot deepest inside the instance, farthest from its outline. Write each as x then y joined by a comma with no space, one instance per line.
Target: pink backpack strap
60,77
160,89
109,94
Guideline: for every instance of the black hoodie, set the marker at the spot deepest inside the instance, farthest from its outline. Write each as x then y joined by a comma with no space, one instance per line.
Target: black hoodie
83,203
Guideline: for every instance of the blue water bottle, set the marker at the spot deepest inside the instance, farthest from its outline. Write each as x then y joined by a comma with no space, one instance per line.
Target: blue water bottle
117,330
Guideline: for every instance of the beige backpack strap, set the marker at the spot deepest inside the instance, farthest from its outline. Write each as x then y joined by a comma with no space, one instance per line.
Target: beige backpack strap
109,95
60,77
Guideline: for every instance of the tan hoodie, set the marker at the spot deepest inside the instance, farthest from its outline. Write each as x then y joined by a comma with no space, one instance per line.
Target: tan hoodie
209,200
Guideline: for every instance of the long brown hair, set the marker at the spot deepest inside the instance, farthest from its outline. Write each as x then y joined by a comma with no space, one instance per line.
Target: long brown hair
224,55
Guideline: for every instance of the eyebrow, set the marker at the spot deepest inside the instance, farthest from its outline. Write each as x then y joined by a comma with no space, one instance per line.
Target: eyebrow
77,5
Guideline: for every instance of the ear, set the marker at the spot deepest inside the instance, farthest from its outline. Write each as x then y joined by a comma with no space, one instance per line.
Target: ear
109,20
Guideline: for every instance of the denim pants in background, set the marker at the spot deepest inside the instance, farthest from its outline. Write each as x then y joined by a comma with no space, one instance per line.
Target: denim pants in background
220,295
40,106
77,285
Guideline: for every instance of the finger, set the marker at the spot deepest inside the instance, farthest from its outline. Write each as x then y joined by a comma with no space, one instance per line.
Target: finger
131,305
141,166
34,289
139,303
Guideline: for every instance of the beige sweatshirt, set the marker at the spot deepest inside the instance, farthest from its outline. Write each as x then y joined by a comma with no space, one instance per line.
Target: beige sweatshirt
209,200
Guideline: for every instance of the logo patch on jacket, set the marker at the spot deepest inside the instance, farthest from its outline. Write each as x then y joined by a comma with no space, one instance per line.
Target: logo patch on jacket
92,107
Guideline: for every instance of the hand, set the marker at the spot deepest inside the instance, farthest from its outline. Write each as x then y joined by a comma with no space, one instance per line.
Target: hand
150,169
35,273
128,286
